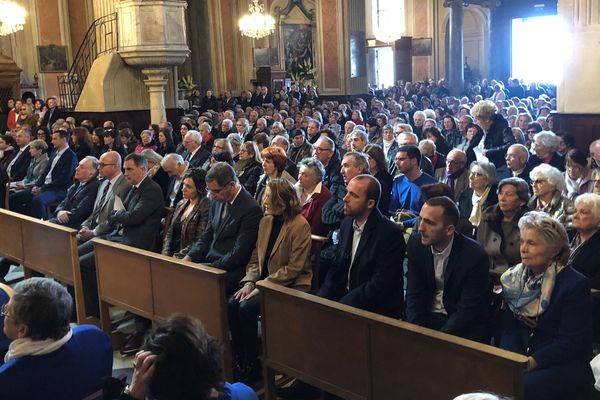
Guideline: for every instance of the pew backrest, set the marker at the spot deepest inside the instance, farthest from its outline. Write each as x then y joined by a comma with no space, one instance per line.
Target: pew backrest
356,354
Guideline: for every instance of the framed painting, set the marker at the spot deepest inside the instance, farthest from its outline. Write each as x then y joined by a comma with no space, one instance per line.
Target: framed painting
53,58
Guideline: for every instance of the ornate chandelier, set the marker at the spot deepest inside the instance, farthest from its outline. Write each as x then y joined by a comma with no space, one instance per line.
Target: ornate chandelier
390,20
256,24
12,17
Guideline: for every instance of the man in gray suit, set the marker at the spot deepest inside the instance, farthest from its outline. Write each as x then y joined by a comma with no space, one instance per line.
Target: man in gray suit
114,184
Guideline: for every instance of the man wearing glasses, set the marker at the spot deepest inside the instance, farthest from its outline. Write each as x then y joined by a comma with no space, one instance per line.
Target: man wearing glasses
455,174
232,230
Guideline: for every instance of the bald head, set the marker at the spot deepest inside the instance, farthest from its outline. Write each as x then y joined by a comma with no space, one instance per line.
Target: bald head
455,161
110,165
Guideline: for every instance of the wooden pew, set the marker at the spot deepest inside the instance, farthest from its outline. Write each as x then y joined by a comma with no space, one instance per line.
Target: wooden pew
11,243
317,243
155,286
46,248
356,354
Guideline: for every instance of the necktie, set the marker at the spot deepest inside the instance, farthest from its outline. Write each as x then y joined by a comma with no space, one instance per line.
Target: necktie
104,194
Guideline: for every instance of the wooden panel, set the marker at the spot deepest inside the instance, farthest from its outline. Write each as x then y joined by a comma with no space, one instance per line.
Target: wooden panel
585,128
312,342
181,288
124,278
357,354
11,243
412,361
47,248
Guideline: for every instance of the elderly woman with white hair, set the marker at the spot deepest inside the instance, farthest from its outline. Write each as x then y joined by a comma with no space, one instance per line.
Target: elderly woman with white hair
544,149
548,185
549,313
480,195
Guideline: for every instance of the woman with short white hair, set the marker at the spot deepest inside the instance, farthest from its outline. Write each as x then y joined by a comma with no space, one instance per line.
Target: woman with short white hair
548,317
548,185
586,241
544,150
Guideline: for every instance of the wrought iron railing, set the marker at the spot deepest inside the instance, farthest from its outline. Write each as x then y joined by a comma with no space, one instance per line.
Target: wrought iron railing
101,38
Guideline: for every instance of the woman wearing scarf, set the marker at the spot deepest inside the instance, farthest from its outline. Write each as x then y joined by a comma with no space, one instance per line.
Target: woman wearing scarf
249,167
46,358
548,316
578,176
480,195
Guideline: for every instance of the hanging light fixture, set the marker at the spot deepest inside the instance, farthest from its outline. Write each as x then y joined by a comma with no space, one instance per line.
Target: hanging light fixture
12,17
256,24
389,21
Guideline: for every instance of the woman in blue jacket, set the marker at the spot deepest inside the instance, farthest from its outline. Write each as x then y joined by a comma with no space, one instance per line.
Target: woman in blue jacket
549,313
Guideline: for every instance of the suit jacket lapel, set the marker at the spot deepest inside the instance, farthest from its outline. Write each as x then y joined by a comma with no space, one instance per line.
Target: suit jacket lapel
452,259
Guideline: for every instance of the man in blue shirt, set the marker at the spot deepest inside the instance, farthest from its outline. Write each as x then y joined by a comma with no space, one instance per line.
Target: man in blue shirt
406,189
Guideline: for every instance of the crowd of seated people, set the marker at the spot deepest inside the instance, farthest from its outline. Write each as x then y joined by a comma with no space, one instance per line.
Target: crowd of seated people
241,184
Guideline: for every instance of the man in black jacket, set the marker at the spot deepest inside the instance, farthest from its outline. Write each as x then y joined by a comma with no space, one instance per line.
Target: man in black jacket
232,229
17,169
367,270
447,280
79,203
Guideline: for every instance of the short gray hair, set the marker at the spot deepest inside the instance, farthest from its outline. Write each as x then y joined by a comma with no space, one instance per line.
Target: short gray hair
548,139
360,160
234,138
315,166
488,169
425,145
39,144
195,136
44,306
553,175
522,149
95,163
591,200
172,157
360,134
152,156
484,109
552,232
520,185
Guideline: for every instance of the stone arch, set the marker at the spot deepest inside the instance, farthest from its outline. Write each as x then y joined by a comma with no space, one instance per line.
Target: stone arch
476,39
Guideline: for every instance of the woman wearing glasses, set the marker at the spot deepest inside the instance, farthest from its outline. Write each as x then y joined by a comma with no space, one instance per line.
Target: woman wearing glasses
548,185
480,195
548,317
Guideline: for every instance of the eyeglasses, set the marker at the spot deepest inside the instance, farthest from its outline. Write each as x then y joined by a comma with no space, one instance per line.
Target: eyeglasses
539,182
4,311
453,162
531,131
102,165
320,149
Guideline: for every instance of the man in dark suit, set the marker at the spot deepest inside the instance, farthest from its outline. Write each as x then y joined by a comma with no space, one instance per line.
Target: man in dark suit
52,184
367,270
232,230
455,175
194,153
175,167
136,223
53,113
517,161
17,169
79,203
447,280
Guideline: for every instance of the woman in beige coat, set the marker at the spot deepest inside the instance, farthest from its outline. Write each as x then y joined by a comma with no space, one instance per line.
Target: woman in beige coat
281,256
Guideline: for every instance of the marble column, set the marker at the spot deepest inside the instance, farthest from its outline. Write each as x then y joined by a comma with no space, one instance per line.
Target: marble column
152,37
103,8
456,51
156,82
579,91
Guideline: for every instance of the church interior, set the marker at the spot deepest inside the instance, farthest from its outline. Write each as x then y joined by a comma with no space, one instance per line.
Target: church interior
481,97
